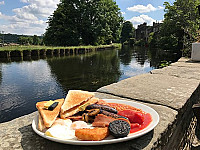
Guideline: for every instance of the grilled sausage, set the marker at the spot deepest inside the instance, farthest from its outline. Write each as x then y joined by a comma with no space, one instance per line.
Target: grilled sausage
111,114
102,107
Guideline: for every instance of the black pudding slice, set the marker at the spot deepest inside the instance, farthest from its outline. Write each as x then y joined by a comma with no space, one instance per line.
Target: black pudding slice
119,128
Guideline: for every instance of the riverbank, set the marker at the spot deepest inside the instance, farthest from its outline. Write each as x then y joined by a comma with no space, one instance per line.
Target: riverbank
171,91
27,51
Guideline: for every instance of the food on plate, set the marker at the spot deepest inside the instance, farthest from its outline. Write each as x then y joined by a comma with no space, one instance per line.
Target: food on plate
75,118
119,128
93,112
76,109
74,100
137,127
79,125
48,116
133,116
138,119
124,120
118,106
61,132
89,115
102,121
82,116
102,107
111,114
62,122
52,106
95,134
61,129
87,118
41,125
48,104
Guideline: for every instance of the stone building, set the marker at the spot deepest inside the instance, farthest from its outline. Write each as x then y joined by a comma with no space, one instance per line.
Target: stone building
143,31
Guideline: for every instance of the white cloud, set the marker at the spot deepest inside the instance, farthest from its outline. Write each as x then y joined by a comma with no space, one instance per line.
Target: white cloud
42,8
141,19
30,19
27,28
2,3
123,13
144,9
161,7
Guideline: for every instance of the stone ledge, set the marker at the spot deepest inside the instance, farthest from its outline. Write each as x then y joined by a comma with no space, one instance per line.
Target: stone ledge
184,68
185,62
154,88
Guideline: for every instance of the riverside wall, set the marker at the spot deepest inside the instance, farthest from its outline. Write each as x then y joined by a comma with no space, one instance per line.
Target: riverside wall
171,91
50,52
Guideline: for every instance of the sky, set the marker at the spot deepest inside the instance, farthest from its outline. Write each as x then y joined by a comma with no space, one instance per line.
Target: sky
29,17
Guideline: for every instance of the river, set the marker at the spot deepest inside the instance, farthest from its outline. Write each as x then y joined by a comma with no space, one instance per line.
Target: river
23,83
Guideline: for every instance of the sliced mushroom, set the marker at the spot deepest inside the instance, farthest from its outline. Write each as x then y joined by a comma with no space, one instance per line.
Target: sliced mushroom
93,112
85,117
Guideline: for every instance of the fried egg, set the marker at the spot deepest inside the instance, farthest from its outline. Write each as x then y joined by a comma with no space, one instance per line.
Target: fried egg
61,130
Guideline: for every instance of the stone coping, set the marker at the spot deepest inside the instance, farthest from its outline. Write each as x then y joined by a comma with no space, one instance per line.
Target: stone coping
171,91
170,86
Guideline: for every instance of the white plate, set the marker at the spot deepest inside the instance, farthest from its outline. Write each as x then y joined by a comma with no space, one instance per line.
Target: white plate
110,139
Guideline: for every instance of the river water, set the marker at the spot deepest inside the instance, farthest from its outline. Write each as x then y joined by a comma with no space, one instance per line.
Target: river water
23,83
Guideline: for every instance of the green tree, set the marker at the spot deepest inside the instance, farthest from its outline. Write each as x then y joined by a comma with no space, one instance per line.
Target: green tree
29,40
23,40
180,24
36,40
127,31
87,22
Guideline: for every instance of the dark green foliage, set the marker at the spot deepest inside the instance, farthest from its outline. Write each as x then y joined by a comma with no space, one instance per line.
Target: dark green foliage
180,25
84,22
127,31
141,42
36,40
25,40
131,41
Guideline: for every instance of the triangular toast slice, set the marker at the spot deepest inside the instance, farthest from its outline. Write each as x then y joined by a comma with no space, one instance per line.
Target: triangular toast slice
41,126
75,98
49,116
76,109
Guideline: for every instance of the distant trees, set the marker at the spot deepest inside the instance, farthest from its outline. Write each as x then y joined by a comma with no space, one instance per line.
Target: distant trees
36,40
30,40
127,31
84,22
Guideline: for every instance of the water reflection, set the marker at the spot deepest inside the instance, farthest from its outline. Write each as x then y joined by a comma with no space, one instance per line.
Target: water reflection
134,61
156,56
24,81
87,72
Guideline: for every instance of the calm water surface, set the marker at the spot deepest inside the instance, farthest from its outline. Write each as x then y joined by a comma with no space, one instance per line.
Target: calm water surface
23,83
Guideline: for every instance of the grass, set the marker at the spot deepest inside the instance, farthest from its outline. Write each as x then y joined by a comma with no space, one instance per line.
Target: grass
33,47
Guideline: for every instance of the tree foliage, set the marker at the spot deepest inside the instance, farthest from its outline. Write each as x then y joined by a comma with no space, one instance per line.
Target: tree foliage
84,22
30,40
36,40
180,25
127,31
